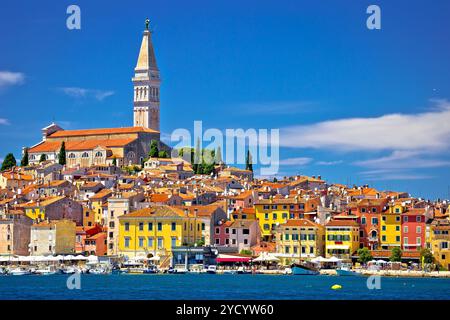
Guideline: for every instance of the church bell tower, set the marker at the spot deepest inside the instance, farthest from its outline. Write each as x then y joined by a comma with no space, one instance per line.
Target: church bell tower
146,83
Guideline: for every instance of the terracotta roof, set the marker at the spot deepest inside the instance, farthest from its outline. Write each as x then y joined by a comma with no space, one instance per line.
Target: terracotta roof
103,131
342,223
101,194
54,146
299,223
157,211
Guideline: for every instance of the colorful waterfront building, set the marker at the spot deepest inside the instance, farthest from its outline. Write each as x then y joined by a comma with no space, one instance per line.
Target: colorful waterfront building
413,229
342,238
275,211
156,230
439,241
54,208
53,237
390,227
299,239
368,212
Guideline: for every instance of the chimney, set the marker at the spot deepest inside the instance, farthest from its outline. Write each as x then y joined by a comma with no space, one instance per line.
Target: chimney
186,212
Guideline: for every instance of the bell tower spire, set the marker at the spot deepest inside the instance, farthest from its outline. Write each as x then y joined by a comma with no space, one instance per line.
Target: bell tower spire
146,83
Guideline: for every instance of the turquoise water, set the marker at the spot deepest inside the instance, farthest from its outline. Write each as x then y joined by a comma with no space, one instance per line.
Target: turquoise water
206,286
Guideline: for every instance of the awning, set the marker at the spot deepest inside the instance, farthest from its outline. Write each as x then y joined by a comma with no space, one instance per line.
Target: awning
228,258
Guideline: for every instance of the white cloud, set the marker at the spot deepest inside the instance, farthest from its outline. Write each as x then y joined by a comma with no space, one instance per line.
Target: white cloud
422,131
403,160
329,163
8,78
398,176
76,92
4,121
301,161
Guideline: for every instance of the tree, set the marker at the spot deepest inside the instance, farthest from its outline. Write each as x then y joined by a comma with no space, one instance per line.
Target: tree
62,154
218,155
9,162
154,151
426,256
24,161
114,162
43,158
163,154
197,165
364,255
248,161
396,255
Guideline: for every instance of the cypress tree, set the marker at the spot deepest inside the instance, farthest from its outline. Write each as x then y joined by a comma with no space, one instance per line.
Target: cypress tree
248,161
9,162
154,151
42,158
62,154
24,161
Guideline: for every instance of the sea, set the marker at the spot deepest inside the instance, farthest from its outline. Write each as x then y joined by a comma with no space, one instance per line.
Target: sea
218,287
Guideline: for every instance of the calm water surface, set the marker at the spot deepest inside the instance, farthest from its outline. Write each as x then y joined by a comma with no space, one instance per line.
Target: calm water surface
206,286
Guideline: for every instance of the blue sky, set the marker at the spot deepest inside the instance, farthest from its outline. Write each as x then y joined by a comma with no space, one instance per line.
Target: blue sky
353,105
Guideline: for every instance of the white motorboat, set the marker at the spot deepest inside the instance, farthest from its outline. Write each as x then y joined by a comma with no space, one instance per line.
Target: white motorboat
45,271
212,269
19,272
70,270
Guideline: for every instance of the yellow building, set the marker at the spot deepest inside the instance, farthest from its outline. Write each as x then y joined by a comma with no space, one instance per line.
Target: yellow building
157,230
271,213
97,202
342,238
439,242
390,227
299,238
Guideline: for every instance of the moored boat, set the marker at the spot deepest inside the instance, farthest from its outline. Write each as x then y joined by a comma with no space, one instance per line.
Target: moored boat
347,272
19,272
303,270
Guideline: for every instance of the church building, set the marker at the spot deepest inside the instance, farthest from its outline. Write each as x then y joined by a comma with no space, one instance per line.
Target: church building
128,145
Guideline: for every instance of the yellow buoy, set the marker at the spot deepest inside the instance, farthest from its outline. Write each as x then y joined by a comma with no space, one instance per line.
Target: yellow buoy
336,287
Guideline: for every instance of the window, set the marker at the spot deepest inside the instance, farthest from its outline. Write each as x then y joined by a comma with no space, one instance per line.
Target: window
141,242
173,242
127,242
150,226
141,226
383,228
85,155
245,231
274,207
98,154
150,242
286,249
397,228
233,231
374,210
227,230
418,241
71,155
159,226
363,220
405,219
419,219
160,242
266,226
245,241
405,240
266,216
127,226
274,216
419,229
363,210
374,220
383,218
217,230
383,238
174,226
397,238
397,219
397,210
405,229
286,236
217,241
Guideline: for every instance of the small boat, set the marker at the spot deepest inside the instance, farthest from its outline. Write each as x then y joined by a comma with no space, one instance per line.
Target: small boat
303,270
212,269
344,271
70,270
19,272
177,270
242,270
45,271
229,271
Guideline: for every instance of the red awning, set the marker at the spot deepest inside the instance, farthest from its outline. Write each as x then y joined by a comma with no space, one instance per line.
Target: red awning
228,258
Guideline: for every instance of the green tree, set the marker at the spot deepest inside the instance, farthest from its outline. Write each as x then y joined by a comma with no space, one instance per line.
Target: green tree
218,155
396,255
42,158
114,162
9,162
426,256
364,255
197,164
163,154
154,151
246,252
24,161
248,161
62,154
275,179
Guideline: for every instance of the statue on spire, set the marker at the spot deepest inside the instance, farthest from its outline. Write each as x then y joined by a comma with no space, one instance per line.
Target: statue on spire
147,22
